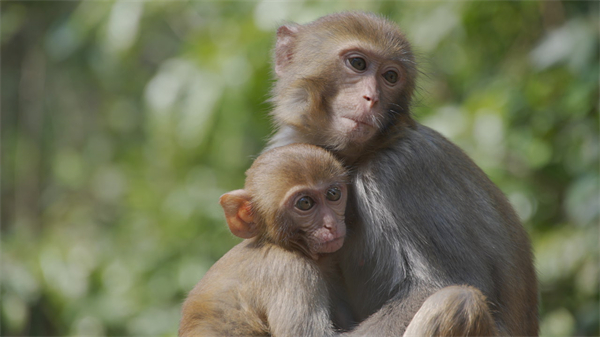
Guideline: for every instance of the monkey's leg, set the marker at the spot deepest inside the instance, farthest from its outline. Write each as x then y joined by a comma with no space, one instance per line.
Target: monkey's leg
453,311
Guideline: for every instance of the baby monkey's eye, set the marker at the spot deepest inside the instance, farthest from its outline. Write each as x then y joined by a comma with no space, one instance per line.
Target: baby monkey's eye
391,76
334,194
358,63
304,203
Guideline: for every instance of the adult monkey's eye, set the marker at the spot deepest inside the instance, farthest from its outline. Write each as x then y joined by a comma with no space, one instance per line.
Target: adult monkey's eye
304,203
334,194
391,76
358,63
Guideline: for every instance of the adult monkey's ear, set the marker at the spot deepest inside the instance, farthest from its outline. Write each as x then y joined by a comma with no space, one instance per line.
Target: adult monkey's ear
238,213
284,47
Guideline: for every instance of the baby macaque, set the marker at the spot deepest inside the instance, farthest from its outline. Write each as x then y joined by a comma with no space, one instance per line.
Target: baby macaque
281,280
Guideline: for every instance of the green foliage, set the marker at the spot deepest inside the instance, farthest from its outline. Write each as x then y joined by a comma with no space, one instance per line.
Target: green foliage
123,123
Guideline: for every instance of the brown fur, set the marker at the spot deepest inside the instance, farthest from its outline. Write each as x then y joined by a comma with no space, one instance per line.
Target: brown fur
453,311
422,216
275,283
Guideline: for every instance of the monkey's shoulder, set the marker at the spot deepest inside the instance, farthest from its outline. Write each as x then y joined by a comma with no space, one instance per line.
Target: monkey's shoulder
268,261
421,143
240,289
253,264
419,154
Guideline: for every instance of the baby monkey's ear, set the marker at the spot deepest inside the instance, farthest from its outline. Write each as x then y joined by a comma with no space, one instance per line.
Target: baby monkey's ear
238,213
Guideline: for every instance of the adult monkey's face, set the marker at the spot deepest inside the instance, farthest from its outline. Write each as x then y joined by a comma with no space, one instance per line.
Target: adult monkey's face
344,81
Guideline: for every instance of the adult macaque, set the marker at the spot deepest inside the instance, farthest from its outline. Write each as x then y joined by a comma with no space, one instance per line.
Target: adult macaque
429,234
278,281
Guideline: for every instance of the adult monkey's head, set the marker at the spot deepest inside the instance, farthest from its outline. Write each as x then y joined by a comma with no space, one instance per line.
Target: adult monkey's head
344,82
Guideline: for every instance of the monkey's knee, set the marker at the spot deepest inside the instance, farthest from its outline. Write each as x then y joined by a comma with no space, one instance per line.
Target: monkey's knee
453,311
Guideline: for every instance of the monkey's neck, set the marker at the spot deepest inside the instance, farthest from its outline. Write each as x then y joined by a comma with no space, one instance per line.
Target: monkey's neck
287,135
354,154
350,155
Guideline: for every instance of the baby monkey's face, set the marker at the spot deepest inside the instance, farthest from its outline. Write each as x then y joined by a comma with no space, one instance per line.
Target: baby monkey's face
317,214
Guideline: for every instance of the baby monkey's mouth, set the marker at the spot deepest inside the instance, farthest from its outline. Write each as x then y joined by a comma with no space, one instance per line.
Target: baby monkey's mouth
331,245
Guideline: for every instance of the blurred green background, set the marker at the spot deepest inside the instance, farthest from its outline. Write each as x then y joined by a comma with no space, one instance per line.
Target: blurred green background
123,123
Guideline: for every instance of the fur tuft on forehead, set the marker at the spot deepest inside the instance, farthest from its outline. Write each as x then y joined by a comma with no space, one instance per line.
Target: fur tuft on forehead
365,30
382,34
